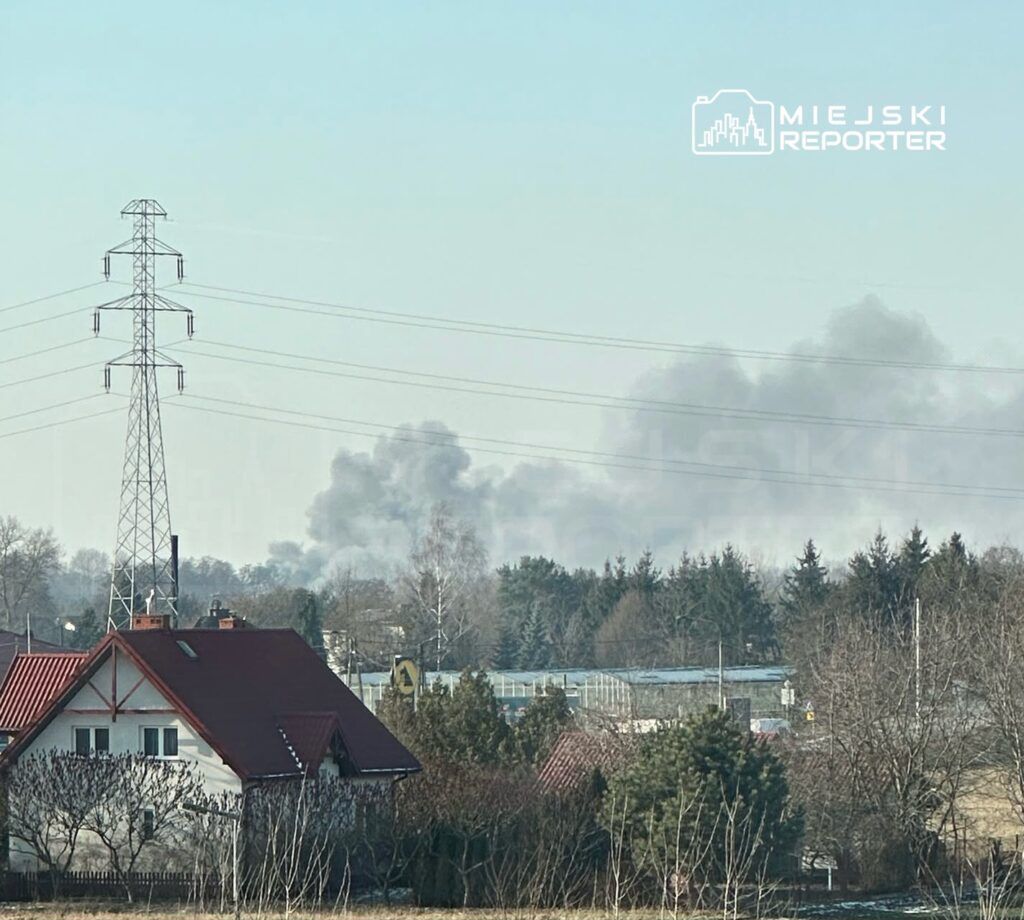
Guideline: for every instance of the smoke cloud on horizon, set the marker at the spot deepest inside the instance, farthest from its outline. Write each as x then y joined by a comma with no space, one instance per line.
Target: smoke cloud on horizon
378,501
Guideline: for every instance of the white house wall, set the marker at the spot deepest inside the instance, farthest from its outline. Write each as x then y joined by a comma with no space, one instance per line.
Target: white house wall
89,709
82,711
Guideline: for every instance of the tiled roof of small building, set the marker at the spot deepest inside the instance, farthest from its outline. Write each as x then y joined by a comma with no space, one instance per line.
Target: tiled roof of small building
577,754
12,644
32,681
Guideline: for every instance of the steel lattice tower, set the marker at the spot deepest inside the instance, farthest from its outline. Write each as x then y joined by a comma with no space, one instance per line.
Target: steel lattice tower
142,552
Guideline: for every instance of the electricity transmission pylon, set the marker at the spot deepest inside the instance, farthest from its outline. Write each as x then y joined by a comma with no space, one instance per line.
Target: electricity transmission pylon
142,575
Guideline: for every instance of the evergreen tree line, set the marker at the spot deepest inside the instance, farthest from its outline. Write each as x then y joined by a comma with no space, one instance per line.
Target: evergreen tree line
533,613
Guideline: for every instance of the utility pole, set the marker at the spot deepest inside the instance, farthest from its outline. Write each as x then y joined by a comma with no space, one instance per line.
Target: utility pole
142,565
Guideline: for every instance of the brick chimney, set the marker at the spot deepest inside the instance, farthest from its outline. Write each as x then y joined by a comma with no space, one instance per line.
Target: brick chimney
233,621
151,621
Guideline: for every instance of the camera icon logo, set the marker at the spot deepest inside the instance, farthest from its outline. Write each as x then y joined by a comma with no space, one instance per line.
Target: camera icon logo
733,123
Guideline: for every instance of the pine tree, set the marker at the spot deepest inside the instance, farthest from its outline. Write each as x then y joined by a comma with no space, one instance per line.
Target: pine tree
431,726
951,570
734,600
463,726
606,593
806,584
506,652
874,586
645,577
539,584
477,731
913,557
534,647
707,782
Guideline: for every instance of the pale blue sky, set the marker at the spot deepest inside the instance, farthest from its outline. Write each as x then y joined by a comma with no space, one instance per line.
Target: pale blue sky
525,163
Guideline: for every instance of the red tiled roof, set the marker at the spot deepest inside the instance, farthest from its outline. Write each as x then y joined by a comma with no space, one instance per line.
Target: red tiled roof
31,682
243,691
309,735
12,643
577,754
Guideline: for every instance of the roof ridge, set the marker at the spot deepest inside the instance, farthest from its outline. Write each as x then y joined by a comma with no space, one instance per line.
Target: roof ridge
52,654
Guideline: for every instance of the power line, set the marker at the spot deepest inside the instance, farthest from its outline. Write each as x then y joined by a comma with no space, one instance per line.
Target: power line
43,351
598,400
45,319
29,303
60,405
426,321
65,370
603,464
453,438
66,421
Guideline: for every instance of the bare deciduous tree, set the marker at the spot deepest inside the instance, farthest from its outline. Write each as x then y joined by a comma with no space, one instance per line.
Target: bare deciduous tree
27,558
897,738
299,838
143,806
445,570
49,798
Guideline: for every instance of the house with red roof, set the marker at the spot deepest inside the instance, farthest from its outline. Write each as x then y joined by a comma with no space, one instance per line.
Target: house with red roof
243,705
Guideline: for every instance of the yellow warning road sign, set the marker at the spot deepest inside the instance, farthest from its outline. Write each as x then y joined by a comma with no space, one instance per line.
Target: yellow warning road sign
405,676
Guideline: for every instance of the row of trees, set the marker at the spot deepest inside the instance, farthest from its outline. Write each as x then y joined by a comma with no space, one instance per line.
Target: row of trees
447,608
536,614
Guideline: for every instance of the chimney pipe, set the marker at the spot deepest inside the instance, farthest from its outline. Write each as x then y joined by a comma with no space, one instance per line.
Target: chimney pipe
174,576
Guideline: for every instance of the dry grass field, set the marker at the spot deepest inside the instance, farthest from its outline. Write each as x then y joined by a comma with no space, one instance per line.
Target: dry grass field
79,911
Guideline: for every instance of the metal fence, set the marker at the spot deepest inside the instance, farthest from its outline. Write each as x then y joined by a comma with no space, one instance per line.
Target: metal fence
144,886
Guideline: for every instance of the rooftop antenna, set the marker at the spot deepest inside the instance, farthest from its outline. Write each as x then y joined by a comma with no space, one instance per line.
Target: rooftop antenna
142,553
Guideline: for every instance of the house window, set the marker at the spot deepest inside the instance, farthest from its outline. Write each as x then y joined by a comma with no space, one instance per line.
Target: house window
92,741
160,742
